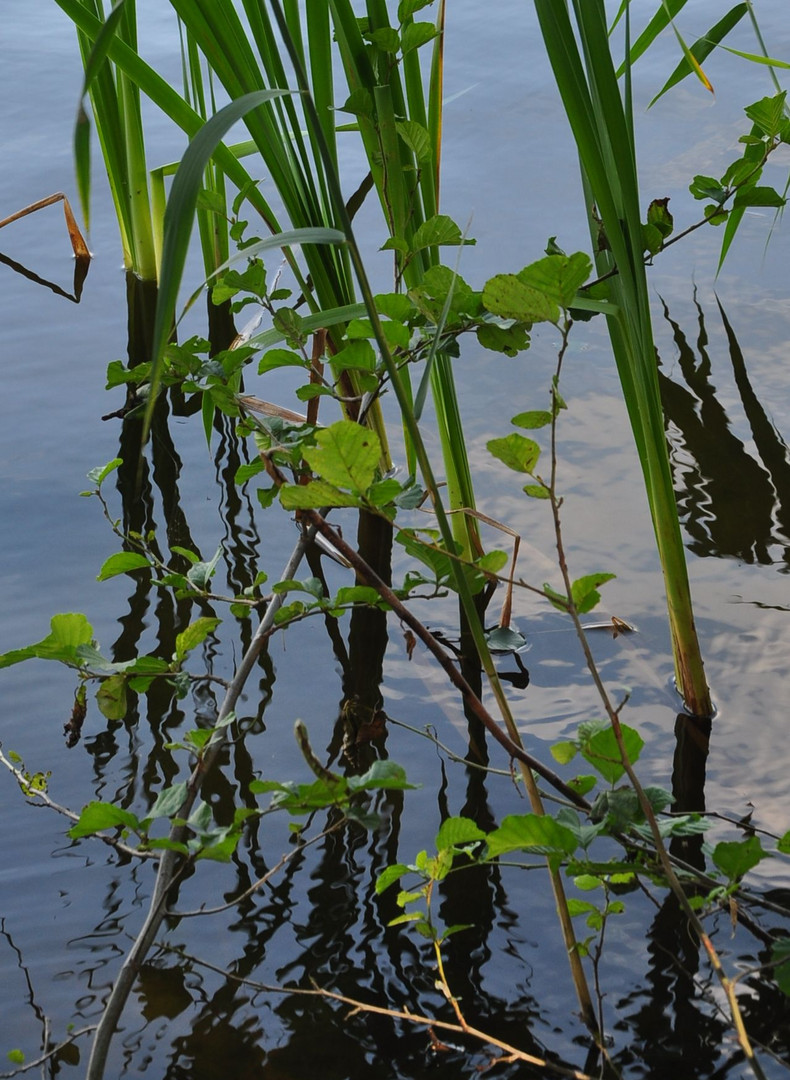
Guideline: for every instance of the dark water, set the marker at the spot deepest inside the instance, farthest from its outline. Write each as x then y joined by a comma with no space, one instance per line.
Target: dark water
69,910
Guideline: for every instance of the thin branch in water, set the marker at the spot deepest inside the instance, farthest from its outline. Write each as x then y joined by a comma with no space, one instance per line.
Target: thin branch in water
512,1052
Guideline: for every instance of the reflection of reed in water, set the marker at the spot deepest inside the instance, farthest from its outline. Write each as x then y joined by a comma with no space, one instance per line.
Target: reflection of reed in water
732,503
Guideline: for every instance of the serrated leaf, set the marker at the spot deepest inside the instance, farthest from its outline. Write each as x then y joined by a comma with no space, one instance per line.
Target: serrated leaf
415,35
409,7
346,454
602,752
509,340
416,138
530,832
558,277
313,496
507,296
438,231
734,858
456,831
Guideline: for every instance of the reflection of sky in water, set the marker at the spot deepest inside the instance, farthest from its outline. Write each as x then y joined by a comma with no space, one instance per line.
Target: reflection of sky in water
508,166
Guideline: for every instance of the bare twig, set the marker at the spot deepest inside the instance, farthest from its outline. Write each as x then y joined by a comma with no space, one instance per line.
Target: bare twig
169,865
396,1014
44,1058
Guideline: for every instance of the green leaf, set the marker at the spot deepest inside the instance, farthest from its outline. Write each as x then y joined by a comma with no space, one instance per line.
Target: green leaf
101,472
768,114
563,752
530,832
659,217
415,35
438,231
278,358
416,138
68,632
358,103
506,295
558,277
381,775
584,591
386,39
180,215
503,639
537,491
346,454
395,306
780,953
194,635
97,816
201,573
314,495
123,562
356,594
757,196
735,857
783,844
509,340
456,831
602,752
409,7
111,697
516,451
706,187
169,802
537,418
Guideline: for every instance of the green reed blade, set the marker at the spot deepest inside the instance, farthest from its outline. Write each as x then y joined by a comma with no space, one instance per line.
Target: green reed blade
603,132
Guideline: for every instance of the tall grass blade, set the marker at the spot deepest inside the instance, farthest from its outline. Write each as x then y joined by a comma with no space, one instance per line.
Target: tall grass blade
179,218
603,132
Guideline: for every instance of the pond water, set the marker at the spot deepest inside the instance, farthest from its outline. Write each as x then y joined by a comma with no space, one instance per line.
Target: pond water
69,910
